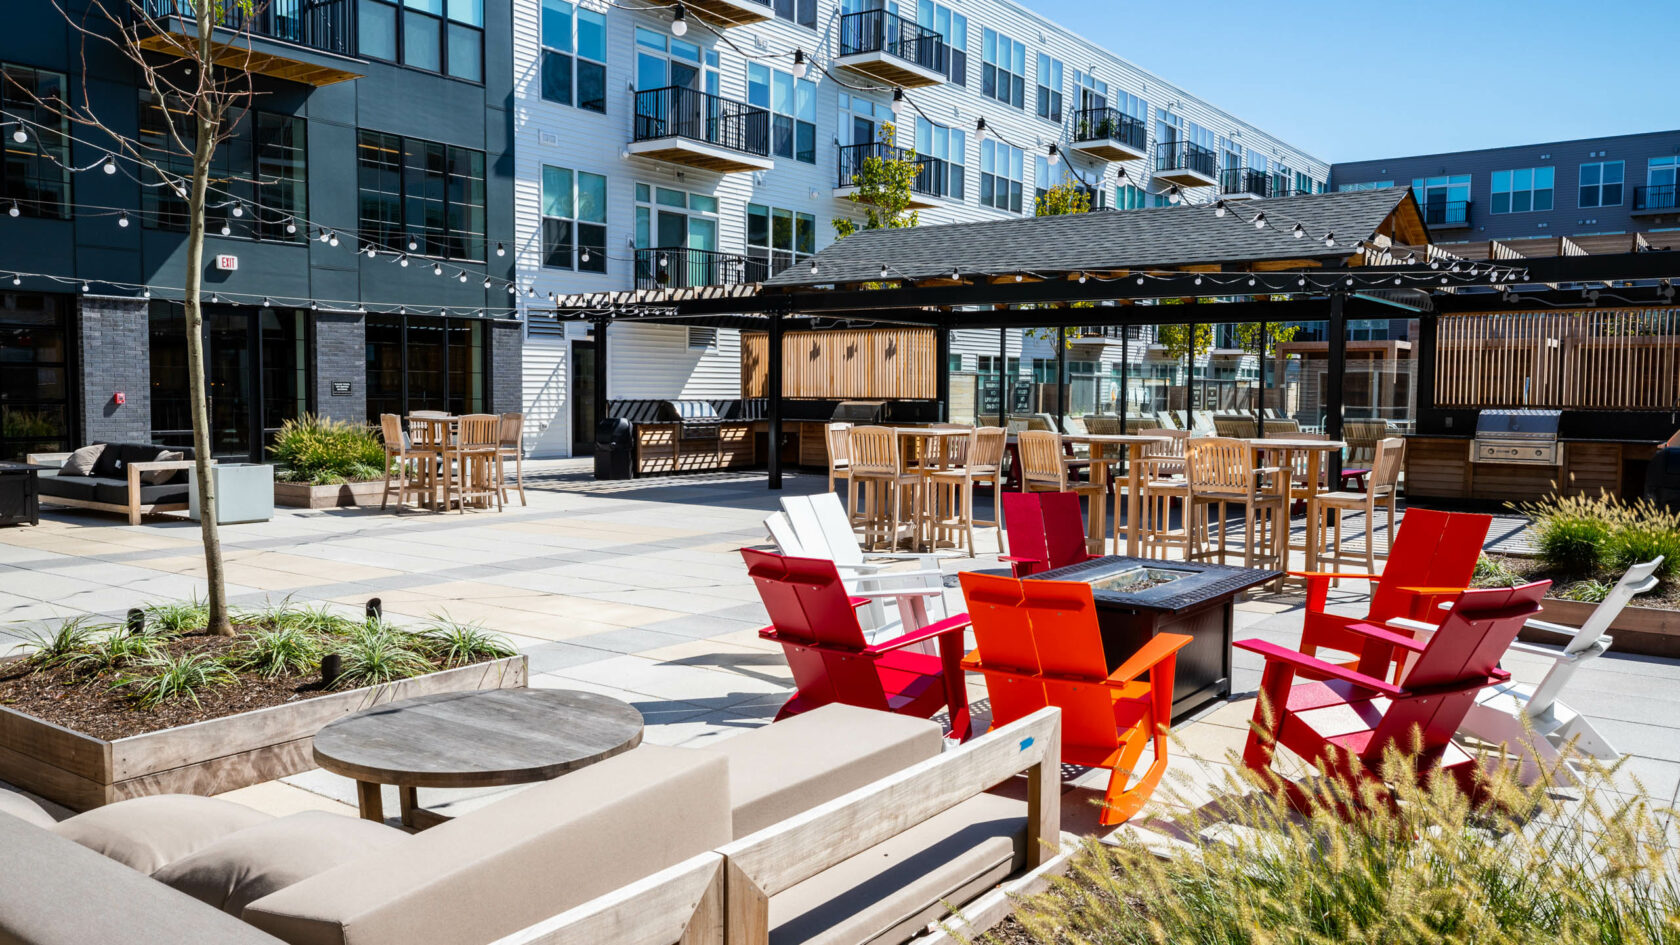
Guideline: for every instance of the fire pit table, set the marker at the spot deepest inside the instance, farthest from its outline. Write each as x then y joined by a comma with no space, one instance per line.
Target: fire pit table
1139,597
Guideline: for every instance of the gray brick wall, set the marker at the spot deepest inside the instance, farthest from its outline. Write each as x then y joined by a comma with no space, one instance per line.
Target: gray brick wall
116,358
341,355
507,345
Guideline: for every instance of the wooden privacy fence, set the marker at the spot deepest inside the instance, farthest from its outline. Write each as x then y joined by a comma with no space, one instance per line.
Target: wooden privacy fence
878,364
1603,360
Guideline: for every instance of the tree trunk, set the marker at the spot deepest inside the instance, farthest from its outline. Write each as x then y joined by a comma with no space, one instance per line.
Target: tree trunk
203,148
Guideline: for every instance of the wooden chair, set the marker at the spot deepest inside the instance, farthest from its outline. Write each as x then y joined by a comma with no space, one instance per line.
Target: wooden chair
951,494
476,453
1045,532
1281,426
402,458
511,446
1431,560
877,465
1102,425
1221,473
1362,437
817,527
1038,644
813,619
430,441
1046,468
837,436
1164,484
1346,723
1325,509
985,467
1234,427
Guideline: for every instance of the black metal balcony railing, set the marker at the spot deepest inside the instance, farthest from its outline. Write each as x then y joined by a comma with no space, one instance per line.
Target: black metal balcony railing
1446,212
1107,124
1185,156
930,171
683,268
1241,180
327,25
879,31
676,112
1656,197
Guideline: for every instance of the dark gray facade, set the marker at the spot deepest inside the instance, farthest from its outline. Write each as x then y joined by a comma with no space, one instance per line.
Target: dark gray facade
1583,200
112,330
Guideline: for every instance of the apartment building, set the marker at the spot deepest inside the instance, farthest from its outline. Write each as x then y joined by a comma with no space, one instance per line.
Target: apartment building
714,141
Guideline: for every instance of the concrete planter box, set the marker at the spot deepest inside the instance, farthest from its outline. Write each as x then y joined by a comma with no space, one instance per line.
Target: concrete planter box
208,757
1645,631
301,495
244,492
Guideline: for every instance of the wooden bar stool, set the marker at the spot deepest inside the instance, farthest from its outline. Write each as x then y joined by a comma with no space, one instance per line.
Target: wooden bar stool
1379,491
985,467
1222,473
1164,484
951,498
403,458
429,442
476,449
877,464
512,446
836,435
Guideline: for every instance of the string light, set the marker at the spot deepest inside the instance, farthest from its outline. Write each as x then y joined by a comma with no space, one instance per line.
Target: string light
13,210
20,136
800,66
1260,220
1174,195
1298,231
437,269
403,260
813,267
1219,208
412,245
225,228
1055,155
238,210
500,250
679,20
122,220
883,270
981,131
1329,239
17,280
291,226
110,165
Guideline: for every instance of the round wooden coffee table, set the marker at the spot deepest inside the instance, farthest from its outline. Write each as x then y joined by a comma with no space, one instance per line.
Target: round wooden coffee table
487,738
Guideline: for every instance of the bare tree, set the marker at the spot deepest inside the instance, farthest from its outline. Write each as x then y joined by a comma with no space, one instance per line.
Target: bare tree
202,84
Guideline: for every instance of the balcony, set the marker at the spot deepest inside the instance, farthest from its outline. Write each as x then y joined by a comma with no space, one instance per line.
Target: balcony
1097,335
1186,164
1109,134
1446,214
1657,198
891,49
1241,183
726,13
683,268
307,41
696,129
925,190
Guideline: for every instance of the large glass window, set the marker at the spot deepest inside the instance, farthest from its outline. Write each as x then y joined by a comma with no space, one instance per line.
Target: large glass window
777,239
1049,88
417,363
1601,184
952,27
1443,199
949,145
1521,191
257,362
259,174
1005,74
1001,175
574,210
420,197
574,55
677,240
1364,185
35,386
1130,197
36,177
793,110
436,35
803,12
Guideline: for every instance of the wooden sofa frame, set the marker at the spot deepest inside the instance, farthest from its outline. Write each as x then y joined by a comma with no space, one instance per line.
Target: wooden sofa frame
134,508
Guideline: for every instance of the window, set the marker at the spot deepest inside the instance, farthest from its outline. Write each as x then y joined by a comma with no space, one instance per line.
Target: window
951,27
1045,176
777,239
1521,191
1660,171
1049,88
36,176
950,146
423,34
262,146
1129,197
1601,184
803,12
793,110
574,212
1304,183
574,55
420,194
677,240
1443,199
1092,91
1368,185
1005,74
953,363
1000,176
702,339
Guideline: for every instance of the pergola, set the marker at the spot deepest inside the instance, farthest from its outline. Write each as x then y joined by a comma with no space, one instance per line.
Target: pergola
1324,257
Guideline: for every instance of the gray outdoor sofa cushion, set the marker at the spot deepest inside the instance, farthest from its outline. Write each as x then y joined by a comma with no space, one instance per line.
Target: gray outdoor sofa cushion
148,833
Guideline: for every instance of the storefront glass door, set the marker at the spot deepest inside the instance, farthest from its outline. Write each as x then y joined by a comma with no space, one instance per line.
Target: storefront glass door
255,362
35,389
417,363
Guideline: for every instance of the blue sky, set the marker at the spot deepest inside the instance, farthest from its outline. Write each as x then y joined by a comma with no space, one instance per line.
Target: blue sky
1353,81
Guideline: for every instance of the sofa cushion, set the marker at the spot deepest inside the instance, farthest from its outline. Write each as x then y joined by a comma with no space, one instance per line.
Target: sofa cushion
16,805
109,465
148,833
116,493
513,863
113,461
158,477
248,864
890,891
80,463
69,487
56,892
787,768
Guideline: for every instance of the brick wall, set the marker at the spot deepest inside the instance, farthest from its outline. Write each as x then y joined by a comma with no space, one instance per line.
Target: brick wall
115,352
507,342
341,355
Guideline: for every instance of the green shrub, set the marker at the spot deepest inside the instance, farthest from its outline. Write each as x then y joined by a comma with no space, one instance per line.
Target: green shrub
277,652
114,651
1492,572
1572,533
324,452
453,643
177,616
376,653
1587,592
159,679
61,646
1644,532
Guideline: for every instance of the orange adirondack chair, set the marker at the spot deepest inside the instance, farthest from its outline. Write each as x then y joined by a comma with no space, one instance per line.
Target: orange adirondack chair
1345,723
1038,645
1046,531
815,621
1431,560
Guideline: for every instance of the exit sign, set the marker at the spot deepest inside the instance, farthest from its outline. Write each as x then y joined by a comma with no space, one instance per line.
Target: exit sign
227,262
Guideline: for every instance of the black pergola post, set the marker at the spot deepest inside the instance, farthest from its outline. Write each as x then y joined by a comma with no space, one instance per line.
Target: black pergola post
1260,393
1061,378
1003,377
942,371
1423,384
773,372
1125,376
600,375
1336,373
1190,377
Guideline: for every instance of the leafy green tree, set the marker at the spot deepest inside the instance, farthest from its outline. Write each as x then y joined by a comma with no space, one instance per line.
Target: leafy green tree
884,183
1063,199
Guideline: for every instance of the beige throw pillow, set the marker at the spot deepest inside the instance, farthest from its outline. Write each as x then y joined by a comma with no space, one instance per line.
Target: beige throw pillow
81,461
157,477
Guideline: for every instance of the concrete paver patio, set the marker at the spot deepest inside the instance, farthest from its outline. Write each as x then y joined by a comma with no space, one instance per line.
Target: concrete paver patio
633,589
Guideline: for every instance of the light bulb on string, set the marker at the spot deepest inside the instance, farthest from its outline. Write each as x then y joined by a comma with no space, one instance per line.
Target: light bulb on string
531,292
585,256
122,219
1329,239
225,229
110,165
238,210
326,235
1055,155
883,270
412,245
501,250
86,287
1140,280
1082,278
513,289
981,131
16,279
13,210
314,306
371,251
1301,281
1260,220
813,267
679,20
898,94
1174,195
291,226
332,240
801,68
463,278
487,282
20,136
437,269
1219,208
1297,231
1349,280
146,294
403,260
1250,280
1120,177
956,275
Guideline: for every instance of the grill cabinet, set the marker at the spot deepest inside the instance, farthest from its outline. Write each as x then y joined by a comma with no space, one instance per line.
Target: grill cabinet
1517,437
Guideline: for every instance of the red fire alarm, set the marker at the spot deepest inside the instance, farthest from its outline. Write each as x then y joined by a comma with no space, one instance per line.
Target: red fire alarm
118,398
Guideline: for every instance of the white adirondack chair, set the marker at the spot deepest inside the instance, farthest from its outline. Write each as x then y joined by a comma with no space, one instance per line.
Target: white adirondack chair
1498,715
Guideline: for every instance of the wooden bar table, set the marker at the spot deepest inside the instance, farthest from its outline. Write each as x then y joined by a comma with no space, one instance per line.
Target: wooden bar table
437,435
931,448
1134,444
1283,449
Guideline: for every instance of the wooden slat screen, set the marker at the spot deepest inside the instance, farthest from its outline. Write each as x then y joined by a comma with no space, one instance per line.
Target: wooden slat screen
874,364
1598,360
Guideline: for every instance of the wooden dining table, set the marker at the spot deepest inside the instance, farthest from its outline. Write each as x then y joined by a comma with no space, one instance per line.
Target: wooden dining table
1100,461
434,434
1283,449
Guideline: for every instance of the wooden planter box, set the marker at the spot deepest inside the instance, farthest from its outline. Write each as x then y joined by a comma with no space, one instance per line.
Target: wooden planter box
300,495
208,757
1645,631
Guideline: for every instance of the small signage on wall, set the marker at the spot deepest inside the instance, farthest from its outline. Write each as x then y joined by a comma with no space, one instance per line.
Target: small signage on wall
227,262
341,388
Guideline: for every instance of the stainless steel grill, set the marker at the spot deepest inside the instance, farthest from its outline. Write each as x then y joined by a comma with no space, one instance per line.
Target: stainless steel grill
695,419
860,412
1517,437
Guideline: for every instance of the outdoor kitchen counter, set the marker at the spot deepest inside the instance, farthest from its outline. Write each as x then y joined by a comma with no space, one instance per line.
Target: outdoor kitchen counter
1438,466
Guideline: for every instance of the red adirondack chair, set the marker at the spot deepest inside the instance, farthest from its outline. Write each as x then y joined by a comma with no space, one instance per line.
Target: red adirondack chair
816,623
1046,531
1431,560
1345,723
1038,645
